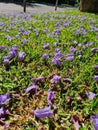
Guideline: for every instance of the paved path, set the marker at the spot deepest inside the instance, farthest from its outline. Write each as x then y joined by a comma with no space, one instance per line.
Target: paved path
6,8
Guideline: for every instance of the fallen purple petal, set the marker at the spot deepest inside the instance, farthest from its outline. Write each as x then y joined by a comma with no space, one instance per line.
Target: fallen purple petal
90,95
4,98
95,121
43,113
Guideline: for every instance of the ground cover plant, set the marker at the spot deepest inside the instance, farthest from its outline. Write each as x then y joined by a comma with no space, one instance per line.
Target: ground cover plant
49,71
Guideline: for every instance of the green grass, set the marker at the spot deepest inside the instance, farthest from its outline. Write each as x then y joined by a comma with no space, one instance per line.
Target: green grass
17,76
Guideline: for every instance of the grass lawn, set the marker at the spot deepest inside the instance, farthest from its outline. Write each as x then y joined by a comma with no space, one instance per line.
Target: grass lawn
49,71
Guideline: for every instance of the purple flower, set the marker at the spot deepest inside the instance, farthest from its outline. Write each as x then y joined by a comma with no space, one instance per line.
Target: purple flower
21,29
90,95
2,48
94,49
56,61
75,42
45,56
46,45
70,57
56,79
58,50
2,112
90,43
21,56
67,80
72,49
76,124
57,58
95,121
58,23
8,37
36,80
6,60
31,89
96,77
50,97
96,66
43,113
4,98
57,32
59,54
13,51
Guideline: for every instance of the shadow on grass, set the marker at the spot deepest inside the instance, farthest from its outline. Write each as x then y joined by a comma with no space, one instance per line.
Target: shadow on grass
34,4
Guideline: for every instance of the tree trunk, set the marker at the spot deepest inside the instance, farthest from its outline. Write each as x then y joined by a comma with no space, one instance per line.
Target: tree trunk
89,6
56,5
24,6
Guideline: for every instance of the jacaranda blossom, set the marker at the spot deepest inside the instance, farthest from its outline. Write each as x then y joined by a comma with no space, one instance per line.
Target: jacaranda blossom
90,95
56,79
4,98
72,49
56,61
58,57
96,66
2,112
67,80
6,60
43,113
2,48
94,49
95,121
45,56
70,57
13,51
38,80
21,56
31,89
50,97
96,77
46,45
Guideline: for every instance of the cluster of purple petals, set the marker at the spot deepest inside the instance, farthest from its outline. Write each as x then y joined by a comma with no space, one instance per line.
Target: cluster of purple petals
3,101
21,56
13,51
56,79
57,32
46,45
72,49
94,29
45,56
95,121
80,31
6,60
90,95
70,57
67,23
2,48
57,58
58,23
8,37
